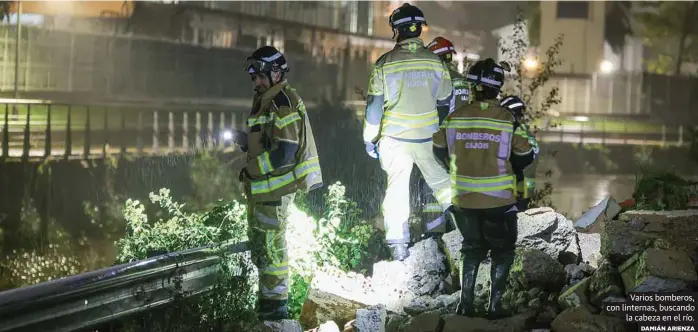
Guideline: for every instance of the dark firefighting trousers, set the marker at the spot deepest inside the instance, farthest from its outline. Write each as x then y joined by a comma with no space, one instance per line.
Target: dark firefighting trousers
486,230
267,238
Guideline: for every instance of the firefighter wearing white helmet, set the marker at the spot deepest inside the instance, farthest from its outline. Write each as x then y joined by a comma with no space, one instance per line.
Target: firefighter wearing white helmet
476,144
408,87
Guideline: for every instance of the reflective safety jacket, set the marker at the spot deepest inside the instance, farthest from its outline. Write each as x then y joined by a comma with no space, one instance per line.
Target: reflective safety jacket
479,139
526,178
461,89
281,157
405,86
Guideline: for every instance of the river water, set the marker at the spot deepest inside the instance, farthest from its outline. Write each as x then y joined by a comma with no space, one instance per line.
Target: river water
574,194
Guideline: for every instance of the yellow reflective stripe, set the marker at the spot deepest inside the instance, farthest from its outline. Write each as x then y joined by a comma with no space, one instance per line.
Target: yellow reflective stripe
372,90
443,196
479,123
259,120
276,182
264,163
276,269
432,207
287,120
521,133
414,62
411,121
484,184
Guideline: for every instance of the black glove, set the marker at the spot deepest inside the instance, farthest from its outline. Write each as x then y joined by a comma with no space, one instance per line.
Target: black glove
244,175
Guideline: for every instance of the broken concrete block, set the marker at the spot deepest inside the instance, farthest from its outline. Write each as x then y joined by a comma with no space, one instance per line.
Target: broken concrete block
591,221
572,254
427,268
576,296
534,268
286,325
657,270
389,284
371,319
545,230
590,246
419,305
579,319
395,322
605,282
679,227
452,243
621,240
518,323
427,322
328,327
335,295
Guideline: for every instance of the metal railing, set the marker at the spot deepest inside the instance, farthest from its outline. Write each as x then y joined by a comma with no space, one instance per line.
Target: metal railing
97,297
42,128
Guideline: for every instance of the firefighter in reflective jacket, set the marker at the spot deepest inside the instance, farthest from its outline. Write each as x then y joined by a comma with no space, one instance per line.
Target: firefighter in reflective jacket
408,88
432,215
525,178
476,144
281,159
461,90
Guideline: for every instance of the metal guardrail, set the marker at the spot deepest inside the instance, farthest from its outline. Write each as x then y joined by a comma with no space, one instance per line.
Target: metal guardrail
97,297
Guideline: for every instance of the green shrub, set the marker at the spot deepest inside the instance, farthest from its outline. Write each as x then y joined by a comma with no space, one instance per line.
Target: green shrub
657,189
229,306
340,238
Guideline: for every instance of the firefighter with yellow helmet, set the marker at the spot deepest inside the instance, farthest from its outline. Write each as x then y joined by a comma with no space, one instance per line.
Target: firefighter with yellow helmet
281,160
476,143
408,88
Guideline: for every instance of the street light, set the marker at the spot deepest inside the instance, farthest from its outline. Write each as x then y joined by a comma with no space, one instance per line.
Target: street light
606,67
531,64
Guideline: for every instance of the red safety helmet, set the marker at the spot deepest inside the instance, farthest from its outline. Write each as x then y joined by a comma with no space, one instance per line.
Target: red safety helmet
443,48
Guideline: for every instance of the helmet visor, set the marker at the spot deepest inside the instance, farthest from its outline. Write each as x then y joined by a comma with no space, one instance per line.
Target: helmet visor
253,65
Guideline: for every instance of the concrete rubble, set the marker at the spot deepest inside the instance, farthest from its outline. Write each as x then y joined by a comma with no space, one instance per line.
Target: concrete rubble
592,220
552,285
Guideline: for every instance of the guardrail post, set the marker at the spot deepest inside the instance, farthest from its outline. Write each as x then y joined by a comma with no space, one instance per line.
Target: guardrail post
105,144
47,140
68,133
124,140
209,144
139,134
221,125
86,144
6,133
25,144
185,132
663,135
198,130
155,132
680,136
171,133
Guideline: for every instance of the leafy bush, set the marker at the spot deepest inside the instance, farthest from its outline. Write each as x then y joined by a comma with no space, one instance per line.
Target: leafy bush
340,238
229,306
657,189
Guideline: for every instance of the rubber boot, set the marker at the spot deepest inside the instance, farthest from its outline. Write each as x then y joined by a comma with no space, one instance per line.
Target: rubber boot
399,252
271,310
469,270
498,275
